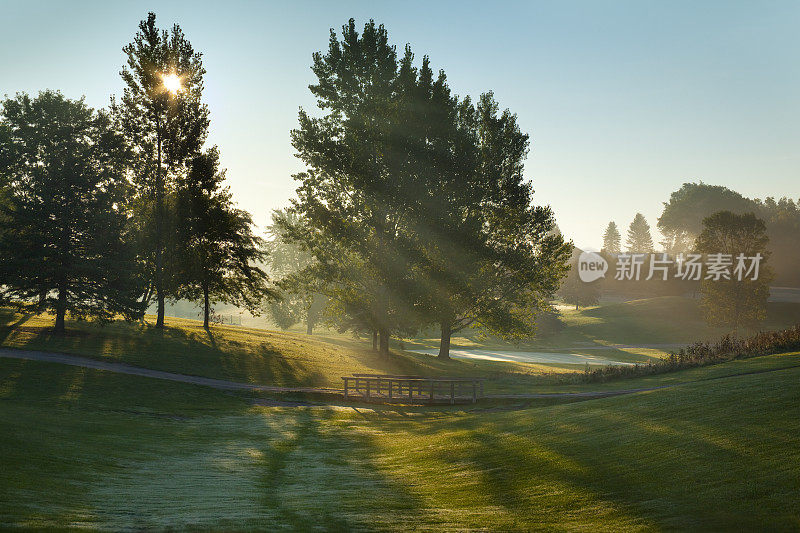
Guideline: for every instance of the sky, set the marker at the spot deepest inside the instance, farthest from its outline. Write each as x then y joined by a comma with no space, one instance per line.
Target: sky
624,100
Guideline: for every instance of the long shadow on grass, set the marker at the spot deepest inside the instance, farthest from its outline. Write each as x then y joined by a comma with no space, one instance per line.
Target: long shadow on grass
673,461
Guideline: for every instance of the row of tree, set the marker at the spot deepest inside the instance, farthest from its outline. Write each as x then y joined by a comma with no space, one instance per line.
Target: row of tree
105,211
681,224
727,301
639,239
412,210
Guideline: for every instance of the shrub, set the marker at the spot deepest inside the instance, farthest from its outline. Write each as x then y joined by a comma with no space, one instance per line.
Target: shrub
727,348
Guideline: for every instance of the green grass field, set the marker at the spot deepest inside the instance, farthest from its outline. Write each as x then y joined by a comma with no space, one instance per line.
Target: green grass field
87,448
249,355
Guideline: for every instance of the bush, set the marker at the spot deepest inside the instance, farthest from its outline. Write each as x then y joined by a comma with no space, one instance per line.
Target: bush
727,348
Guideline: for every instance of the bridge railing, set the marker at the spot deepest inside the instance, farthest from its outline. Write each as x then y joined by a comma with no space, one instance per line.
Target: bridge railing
412,389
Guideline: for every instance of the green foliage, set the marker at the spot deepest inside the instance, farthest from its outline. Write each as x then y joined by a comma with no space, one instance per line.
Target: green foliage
576,292
353,195
639,239
416,201
682,219
301,290
218,256
732,302
65,221
165,130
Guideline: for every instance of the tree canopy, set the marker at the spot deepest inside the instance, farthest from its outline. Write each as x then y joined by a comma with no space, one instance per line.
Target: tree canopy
64,215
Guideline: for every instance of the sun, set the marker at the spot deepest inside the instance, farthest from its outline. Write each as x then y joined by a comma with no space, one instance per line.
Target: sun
172,83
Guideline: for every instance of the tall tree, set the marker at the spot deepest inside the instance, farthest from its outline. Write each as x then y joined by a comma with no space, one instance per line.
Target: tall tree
735,299
612,239
166,123
351,193
219,253
639,239
65,220
488,257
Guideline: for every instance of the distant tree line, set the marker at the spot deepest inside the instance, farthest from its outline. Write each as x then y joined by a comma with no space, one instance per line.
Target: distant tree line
709,219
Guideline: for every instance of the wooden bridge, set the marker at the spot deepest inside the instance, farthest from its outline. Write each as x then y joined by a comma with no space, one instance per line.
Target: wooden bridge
412,389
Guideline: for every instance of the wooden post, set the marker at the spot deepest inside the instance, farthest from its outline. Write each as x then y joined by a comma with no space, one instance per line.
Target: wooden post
410,392
390,389
452,392
345,388
431,398
367,389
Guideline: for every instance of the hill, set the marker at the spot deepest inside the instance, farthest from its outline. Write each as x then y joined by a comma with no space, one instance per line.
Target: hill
84,448
238,353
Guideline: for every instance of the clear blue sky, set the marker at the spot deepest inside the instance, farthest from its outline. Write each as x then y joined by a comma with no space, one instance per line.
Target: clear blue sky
624,100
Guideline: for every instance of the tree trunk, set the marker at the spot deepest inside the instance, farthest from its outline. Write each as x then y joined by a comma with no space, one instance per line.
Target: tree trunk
206,306
159,232
61,311
375,339
384,342
444,343
309,324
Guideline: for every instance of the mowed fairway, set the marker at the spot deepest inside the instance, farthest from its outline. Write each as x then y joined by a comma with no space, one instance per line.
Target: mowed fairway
88,448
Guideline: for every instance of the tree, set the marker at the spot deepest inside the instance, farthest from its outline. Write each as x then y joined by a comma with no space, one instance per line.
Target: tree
575,291
65,219
301,298
166,123
218,248
352,194
682,219
416,201
730,301
488,257
612,239
639,239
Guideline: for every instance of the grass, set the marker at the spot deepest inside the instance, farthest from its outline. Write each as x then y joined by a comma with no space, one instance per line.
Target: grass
84,448
244,354
650,321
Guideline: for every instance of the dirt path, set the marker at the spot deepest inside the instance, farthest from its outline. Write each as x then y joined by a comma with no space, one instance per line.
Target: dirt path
122,368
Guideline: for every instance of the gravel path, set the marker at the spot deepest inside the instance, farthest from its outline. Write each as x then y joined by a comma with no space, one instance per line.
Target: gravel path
122,368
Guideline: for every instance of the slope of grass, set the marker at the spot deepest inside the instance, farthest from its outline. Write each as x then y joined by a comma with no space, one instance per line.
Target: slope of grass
92,449
240,354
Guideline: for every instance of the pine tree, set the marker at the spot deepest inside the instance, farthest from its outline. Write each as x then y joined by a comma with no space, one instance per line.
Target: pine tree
166,123
612,239
639,239
219,253
65,220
